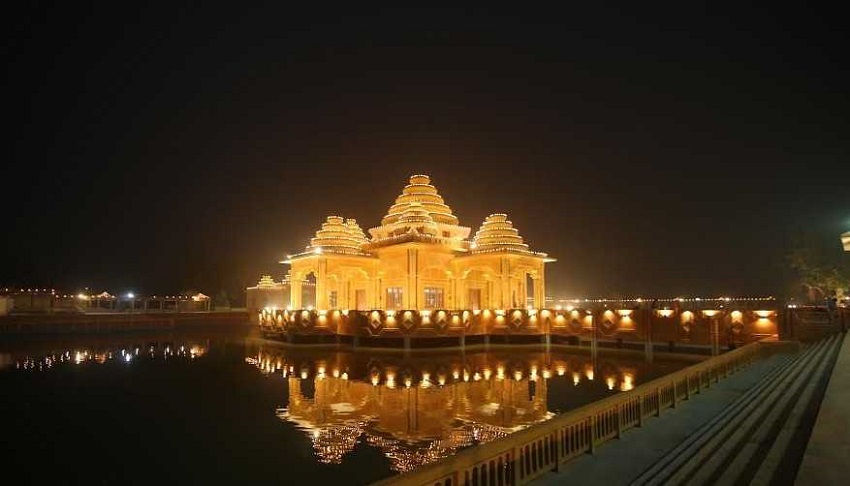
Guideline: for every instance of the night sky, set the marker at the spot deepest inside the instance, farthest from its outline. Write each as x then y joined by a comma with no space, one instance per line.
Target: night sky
653,153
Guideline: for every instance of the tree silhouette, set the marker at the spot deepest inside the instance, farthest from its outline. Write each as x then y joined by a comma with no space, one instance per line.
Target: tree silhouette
823,269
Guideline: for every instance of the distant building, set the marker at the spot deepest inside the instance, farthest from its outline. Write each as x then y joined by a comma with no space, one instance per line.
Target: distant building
418,258
6,305
845,240
273,294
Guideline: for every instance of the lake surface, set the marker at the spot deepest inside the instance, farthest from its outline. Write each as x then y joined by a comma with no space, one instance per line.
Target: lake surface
225,407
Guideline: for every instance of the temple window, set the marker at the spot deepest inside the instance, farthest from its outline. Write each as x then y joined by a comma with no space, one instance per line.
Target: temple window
433,298
395,297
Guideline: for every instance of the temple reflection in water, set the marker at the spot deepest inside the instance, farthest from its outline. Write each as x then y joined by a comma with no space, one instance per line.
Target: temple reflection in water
418,410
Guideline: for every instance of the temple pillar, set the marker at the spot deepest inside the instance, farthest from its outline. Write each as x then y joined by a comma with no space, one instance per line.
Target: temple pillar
410,295
295,292
504,284
322,286
539,298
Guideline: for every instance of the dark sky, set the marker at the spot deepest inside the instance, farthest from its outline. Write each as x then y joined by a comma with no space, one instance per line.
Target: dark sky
669,152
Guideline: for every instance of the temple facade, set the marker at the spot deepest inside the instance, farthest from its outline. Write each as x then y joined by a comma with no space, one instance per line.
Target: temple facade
420,257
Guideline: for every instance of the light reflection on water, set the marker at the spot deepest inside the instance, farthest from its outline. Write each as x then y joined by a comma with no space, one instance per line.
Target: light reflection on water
417,410
197,398
80,356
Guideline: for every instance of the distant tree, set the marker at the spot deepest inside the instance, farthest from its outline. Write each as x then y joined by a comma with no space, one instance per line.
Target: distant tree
823,270
222,299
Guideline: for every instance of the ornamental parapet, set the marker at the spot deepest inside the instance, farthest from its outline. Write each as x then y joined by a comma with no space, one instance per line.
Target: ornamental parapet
698,327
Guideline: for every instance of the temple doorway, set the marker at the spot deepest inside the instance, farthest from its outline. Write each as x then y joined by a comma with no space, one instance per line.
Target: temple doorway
360,300
308,291
475,299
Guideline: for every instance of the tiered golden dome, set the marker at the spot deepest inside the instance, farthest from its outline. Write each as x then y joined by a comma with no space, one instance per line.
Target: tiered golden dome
420,190
418,218
338,236
497,233
355,231
266,282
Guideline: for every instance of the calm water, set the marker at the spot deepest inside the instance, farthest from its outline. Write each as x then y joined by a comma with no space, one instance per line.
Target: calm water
226,407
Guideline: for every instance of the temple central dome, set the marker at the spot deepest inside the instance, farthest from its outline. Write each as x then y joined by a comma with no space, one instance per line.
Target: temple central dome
420,190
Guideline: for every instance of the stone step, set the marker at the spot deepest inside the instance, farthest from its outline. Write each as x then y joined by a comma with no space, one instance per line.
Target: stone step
731,462
777,457
677,456
715,450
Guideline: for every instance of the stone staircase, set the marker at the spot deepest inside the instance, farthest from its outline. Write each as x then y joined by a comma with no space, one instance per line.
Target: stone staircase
760,437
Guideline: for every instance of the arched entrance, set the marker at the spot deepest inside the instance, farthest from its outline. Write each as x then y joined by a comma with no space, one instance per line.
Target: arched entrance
308,291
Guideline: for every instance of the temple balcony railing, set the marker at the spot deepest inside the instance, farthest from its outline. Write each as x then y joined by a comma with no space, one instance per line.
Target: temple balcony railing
711,327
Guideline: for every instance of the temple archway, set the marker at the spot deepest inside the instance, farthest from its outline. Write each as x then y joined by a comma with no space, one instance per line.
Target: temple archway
308,291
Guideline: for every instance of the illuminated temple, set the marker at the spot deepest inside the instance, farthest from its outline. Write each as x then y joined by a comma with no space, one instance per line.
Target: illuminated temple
420,257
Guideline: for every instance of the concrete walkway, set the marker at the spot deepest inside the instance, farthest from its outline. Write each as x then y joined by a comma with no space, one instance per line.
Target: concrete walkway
826,459
827,456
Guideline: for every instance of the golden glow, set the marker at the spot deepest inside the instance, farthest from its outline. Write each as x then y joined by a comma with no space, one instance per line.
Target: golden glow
341,257
764,314
628,382
687,317
625,312
736,316
665,312
710,312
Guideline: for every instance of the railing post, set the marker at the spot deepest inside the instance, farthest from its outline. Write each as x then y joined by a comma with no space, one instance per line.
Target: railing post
675,393
640,410
658,402
619,420
593,434
512,470
555,446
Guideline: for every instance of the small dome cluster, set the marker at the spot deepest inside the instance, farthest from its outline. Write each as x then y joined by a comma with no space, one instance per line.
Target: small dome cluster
339,235
420,190
497,233
419,214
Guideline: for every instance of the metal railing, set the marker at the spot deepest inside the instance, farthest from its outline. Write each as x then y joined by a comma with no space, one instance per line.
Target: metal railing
525,455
